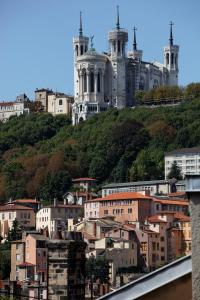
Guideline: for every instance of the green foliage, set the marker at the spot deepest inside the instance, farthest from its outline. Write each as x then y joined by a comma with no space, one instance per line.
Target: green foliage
54,186
5,261
15,233
192,90
41,153
175,171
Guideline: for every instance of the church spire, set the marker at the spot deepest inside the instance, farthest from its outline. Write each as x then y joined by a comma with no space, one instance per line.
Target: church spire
117,24
171,34
81,25
134,40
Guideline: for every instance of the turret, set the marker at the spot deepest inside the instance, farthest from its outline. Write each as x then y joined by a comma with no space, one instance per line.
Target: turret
80,42
171,59
135,53
118,39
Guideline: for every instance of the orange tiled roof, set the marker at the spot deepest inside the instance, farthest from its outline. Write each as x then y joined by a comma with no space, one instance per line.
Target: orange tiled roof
122,196
177,194
182,217
83,179
155,219
173,201
25,201
14,207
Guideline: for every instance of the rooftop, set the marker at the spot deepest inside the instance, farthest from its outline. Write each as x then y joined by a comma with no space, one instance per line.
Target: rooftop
152,281
171,201
83,179
122,196
135,183
9,207
194,150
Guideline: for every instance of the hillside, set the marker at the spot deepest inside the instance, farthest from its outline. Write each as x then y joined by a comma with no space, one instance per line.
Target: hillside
40,153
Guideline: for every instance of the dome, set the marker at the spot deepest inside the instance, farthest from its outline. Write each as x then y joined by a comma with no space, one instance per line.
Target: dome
91,54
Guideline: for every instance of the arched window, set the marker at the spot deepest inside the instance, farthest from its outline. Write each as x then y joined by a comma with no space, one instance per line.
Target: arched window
81,49
176,59
167,58
99,82
118,46
91,82
114,46
155,83
84,83
172,58
81,108
77,50
60,102
85,48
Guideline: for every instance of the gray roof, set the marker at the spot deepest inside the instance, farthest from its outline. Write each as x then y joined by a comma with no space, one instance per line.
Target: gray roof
135,183
194,150
152,281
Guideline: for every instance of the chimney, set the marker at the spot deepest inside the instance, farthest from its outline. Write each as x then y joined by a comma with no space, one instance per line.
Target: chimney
193,193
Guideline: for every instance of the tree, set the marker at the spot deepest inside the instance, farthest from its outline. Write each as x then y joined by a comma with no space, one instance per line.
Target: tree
98,269
175,171
5,260
15,233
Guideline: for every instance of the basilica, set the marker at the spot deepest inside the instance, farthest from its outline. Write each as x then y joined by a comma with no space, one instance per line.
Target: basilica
103,80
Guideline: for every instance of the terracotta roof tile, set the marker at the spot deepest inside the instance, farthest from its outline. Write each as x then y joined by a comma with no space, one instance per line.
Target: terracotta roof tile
83,179
123,196
171,201
155,219
14,207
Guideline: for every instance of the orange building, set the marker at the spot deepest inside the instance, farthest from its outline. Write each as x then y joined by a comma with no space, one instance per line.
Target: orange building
129,206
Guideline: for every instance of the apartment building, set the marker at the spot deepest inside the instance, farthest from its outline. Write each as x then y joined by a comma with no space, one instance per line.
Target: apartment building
164,204
129,206
55,216
29,264
84,183
9,212
121,253
9,109
188,160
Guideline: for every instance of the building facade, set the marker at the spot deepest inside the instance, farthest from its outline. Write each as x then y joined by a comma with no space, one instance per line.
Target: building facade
55,216
8,213
124,207
112,79
9,109
188,160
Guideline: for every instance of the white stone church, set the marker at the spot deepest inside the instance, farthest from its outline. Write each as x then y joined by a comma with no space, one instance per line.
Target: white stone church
109,79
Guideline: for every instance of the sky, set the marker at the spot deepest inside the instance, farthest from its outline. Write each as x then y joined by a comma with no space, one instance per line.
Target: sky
36,49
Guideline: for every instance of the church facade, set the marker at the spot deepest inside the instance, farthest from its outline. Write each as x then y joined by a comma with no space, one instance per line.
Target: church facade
103,80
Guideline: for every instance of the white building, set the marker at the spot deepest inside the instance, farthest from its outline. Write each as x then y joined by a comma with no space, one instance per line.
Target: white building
9,109
55,216
188,159
111,79
59,103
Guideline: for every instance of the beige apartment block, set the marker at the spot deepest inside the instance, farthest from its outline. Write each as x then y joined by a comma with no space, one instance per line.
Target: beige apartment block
8,213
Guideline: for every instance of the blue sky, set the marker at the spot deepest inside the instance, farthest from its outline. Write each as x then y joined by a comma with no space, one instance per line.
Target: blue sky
36,38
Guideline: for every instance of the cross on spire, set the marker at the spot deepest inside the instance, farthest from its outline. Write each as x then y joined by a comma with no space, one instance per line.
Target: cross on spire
117,24
171,34
81,25
134,39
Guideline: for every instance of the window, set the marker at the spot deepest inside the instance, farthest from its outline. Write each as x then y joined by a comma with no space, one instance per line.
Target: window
92,82
77,50
162,249
18,257
162,238
99,82
167,58
60,102
85,83
172,58
129,210
118,46
81,49
162,258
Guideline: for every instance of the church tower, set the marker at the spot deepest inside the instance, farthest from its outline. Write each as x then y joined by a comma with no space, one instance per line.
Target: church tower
80,47
118,39
171,60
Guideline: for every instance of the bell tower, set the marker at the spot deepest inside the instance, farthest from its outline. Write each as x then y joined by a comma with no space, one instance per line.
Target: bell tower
118,39
171,59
